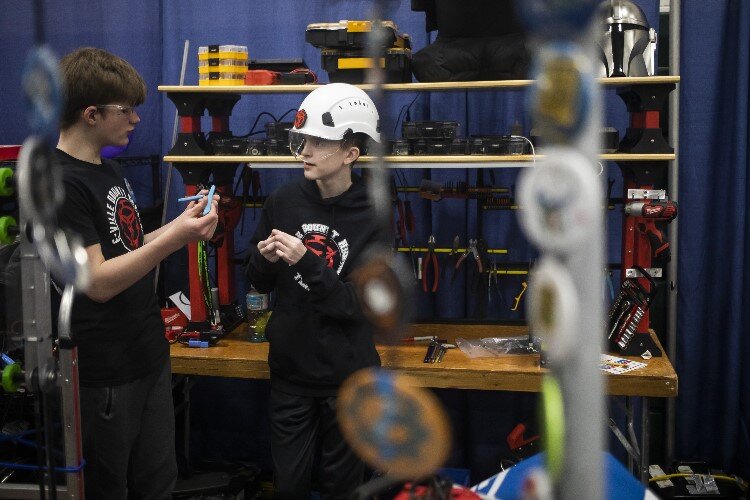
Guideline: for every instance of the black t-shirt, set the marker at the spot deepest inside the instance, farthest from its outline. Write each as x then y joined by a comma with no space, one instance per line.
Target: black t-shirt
122,339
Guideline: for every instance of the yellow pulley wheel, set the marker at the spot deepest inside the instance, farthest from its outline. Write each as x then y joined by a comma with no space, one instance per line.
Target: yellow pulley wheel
6,174
12,375
553,426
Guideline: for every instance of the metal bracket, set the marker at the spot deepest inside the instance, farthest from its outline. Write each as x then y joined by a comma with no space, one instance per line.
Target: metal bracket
654,272
647,194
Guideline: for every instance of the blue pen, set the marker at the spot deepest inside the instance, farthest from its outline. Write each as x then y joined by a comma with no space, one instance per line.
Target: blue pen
190,198
211,192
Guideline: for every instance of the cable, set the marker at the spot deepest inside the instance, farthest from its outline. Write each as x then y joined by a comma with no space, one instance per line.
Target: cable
734,479
293,110
533,152
406,108
68,470
255,123
204,278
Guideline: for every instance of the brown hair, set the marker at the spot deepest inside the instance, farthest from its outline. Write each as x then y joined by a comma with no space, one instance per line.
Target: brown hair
94,76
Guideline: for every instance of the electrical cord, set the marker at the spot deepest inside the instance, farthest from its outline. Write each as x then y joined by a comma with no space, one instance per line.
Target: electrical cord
405,107
734,479
292,110
67,470
533,152
257,119
204,278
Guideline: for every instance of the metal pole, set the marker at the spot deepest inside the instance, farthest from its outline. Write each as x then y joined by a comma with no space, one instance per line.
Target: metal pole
168,183
70,397
673,229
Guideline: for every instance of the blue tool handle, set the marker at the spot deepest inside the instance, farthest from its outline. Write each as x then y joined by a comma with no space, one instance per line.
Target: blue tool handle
210,195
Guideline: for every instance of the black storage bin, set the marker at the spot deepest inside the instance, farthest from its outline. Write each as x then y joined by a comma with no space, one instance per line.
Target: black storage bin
429,130
346,66
352,35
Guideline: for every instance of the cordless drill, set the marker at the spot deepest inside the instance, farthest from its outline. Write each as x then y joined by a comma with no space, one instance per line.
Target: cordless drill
651,211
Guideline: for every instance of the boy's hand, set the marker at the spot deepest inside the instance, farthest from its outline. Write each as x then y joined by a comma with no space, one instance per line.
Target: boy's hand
267,249
289,248
192,225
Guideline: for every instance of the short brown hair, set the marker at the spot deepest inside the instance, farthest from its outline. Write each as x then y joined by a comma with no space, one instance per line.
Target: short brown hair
94,76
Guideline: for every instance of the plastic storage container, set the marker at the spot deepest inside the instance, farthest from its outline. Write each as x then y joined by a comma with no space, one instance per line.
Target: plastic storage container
351,66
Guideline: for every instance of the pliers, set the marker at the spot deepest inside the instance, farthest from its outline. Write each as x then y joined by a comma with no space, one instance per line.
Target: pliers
430,259
472,249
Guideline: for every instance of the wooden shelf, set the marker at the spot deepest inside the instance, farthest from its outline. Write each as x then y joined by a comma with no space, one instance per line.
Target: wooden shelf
458,161
406,87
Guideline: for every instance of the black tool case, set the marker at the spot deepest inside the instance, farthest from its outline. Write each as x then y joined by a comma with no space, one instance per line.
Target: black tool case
352,35
429,130
498,145
439,147
346,66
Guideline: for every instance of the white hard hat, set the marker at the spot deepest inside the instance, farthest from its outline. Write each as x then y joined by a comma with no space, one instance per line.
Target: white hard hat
332,110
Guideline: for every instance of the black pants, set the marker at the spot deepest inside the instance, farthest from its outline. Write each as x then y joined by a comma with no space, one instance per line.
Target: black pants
304,432
128,439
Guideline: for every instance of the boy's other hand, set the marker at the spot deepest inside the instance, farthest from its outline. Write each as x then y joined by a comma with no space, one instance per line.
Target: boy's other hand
267,249
289,248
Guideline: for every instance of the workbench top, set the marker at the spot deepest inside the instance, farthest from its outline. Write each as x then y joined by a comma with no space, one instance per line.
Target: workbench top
233,356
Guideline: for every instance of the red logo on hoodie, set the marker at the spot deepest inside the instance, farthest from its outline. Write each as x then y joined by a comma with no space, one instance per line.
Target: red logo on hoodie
321,246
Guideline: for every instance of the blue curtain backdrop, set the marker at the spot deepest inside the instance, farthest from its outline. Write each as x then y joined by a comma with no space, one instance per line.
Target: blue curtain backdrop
713,408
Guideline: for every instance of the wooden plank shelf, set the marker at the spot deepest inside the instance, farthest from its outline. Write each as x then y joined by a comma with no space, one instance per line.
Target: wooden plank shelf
407,87
411,161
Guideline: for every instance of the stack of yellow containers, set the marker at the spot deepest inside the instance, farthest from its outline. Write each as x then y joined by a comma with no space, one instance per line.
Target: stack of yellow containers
222,64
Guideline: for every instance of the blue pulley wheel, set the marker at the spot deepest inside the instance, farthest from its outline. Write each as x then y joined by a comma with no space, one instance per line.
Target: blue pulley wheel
41,84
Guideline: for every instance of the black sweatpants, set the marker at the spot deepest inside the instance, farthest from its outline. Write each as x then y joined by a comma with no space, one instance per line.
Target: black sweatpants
304,432
128,439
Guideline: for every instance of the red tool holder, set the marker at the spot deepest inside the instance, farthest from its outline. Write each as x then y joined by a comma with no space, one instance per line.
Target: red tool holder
646,104
636,251
645,135
191,142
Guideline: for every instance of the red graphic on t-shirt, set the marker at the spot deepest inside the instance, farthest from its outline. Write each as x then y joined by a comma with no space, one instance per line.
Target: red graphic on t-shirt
321,246
130,227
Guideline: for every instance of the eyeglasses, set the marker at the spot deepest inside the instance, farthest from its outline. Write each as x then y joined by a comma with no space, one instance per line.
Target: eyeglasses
125,110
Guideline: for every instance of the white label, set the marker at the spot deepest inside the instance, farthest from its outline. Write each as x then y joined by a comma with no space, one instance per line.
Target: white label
257,301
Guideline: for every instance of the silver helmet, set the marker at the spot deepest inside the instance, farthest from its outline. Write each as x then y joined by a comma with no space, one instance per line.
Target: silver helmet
627,42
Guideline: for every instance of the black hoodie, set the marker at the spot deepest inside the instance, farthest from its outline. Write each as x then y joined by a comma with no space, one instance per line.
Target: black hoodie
317,333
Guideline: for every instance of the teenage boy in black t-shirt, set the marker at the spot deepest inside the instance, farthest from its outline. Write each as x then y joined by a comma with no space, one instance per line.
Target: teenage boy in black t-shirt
125,396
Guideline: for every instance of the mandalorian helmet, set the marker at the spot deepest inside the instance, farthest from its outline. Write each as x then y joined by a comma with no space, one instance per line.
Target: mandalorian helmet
627,42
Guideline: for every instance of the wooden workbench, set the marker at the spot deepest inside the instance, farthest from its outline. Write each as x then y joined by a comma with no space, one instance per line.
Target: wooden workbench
234,356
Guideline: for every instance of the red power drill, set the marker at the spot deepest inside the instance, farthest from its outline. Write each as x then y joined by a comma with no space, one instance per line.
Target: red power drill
651,211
